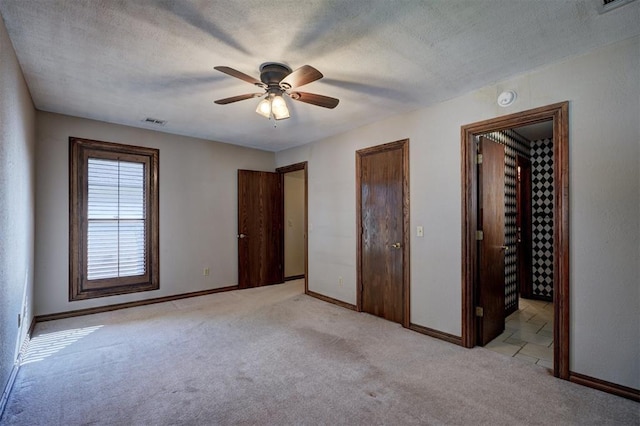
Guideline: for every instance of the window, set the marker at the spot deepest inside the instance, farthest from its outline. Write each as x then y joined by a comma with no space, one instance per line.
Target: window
113,219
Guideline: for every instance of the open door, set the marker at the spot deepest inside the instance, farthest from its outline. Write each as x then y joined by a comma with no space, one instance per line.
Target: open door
491,244
259,229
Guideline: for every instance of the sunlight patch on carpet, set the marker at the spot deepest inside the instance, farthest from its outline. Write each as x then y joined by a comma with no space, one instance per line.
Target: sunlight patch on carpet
44,345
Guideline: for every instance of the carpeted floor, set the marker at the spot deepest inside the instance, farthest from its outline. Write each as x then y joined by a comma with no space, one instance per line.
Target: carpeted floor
274,356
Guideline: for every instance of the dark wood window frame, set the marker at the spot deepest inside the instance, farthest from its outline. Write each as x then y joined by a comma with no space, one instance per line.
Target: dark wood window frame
81,288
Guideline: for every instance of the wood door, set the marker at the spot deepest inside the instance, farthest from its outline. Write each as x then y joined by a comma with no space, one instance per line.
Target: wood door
491,247
383,201
259,229
523,224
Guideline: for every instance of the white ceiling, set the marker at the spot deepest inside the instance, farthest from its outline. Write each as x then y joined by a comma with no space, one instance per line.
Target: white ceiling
537,131
123,61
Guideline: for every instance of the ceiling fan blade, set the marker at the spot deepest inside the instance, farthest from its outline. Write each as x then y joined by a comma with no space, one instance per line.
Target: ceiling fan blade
303,75
238,98
240,75
313,99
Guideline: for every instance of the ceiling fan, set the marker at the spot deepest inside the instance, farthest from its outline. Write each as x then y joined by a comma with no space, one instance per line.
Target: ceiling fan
278,80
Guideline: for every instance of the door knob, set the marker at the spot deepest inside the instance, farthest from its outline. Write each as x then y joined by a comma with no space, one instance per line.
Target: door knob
241,236
396,245
505,248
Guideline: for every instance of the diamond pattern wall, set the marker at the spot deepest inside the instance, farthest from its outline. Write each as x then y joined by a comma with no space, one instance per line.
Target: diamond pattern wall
542,200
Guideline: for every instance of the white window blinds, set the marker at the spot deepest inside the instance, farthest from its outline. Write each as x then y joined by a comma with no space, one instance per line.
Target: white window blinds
116,228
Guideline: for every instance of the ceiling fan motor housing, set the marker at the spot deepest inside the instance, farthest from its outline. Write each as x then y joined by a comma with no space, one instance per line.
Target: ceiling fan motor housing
273,73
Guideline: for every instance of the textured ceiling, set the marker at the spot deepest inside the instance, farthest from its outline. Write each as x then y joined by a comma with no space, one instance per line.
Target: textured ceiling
123,61
537,131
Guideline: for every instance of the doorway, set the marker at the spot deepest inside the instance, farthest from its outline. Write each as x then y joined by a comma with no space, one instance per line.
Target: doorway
382,185
527,324
294,200
472,222
261,226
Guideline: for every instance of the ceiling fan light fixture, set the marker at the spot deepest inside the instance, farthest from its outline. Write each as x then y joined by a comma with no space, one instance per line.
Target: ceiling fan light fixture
264,107
276,80
279,108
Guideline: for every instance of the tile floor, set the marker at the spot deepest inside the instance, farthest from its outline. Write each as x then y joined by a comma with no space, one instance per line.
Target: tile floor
528,334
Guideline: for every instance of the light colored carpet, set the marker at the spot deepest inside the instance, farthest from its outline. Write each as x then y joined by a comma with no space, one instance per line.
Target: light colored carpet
274,356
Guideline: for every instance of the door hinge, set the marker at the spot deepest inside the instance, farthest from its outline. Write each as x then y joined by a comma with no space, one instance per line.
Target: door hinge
479,159
479,311
479,235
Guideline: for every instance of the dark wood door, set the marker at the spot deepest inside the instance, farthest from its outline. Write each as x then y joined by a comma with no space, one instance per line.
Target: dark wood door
491,247
382,224
523,225
259,229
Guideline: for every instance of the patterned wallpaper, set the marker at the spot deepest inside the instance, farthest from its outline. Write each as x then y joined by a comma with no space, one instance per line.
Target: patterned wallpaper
542,200
514,144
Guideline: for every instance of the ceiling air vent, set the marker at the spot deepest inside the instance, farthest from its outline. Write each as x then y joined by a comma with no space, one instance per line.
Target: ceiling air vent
608,5
155,121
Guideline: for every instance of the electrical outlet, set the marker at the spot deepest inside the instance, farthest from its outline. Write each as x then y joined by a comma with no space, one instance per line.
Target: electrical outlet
340,281
205,272
419,231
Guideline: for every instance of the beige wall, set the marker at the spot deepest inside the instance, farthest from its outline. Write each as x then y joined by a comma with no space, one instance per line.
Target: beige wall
17,204
294,223
604,94
198,208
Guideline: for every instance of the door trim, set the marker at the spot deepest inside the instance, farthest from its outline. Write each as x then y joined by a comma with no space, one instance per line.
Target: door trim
294,168
406,234
559,114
